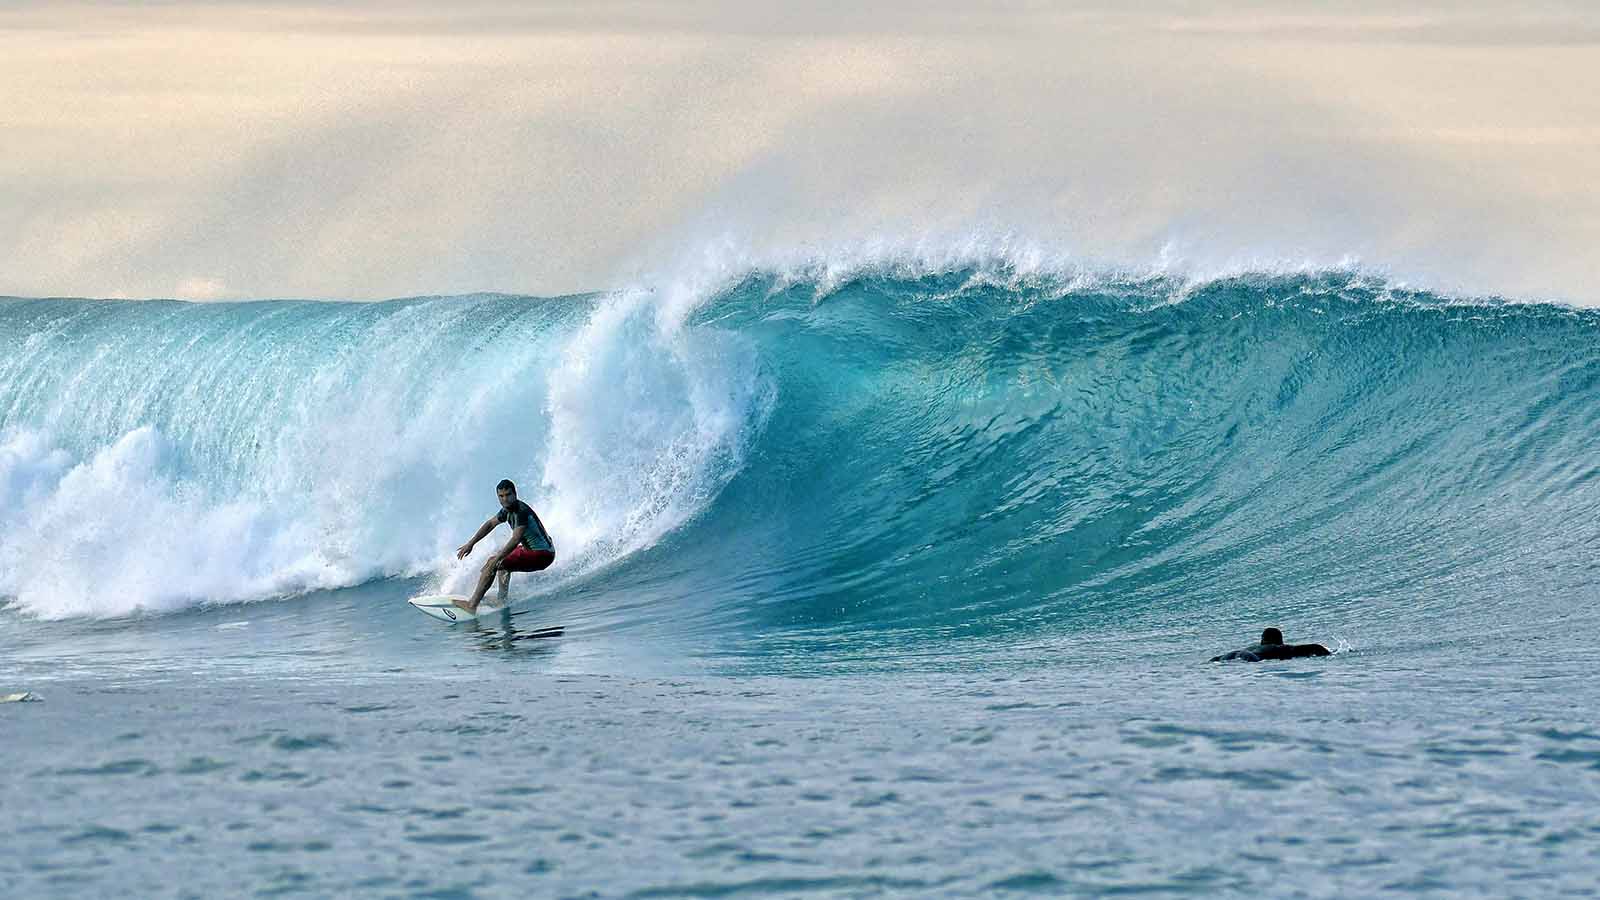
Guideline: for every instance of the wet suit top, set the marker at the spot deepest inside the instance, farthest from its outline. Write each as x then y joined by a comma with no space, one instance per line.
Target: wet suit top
1258,652
521,515
1273,647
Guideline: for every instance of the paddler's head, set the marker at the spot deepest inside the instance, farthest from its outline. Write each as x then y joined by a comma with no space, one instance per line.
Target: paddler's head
1272,636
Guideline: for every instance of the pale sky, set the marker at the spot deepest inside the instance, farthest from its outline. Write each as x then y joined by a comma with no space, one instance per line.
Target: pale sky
370,150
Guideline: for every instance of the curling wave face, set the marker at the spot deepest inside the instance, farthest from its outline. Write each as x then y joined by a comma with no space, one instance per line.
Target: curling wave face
960,450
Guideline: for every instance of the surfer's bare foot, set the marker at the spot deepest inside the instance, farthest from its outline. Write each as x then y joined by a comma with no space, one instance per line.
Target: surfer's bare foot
471,608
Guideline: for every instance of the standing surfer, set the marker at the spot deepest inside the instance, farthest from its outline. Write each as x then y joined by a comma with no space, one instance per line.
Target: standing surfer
529,550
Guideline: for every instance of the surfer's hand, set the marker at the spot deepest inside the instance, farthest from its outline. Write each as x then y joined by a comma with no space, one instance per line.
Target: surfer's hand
463,550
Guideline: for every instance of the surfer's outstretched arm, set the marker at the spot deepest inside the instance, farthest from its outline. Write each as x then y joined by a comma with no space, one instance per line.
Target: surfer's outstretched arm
483,530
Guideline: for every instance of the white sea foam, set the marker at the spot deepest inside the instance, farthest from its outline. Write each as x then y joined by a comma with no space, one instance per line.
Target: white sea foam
617,426
116,532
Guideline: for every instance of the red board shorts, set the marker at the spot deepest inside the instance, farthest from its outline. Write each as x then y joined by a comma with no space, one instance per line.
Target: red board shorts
524,560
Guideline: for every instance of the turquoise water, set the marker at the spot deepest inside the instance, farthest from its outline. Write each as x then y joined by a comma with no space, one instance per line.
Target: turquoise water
884,583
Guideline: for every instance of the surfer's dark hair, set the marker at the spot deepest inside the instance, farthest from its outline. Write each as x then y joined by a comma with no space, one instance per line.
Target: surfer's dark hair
505,485
1272,636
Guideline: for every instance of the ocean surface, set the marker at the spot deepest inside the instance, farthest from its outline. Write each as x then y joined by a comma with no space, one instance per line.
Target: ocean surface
878,579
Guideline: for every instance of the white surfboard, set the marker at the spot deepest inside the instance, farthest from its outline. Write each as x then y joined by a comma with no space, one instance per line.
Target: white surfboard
443,608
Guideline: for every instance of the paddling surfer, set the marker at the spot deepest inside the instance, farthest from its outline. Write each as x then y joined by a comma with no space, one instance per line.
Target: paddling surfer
529,549
1273,647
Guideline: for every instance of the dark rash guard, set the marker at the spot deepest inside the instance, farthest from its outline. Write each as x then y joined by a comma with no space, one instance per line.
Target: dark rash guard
521,515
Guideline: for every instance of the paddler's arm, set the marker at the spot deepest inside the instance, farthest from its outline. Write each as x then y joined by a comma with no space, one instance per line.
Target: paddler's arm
487,526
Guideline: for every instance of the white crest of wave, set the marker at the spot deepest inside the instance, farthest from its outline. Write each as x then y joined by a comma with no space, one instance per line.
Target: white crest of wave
986,257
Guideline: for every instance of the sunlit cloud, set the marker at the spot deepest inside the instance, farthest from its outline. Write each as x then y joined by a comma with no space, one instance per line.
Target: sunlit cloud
369,150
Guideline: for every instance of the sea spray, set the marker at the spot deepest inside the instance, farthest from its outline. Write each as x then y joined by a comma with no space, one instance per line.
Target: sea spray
161,455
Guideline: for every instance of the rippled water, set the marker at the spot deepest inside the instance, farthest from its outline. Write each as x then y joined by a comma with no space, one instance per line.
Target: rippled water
460,763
